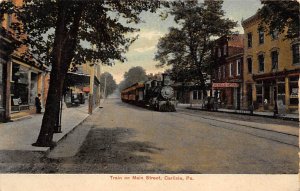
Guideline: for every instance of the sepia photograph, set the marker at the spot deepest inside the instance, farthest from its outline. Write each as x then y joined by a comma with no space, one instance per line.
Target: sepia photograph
163,95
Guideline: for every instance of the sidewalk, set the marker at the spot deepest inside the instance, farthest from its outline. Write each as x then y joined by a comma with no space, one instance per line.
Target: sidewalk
19,135
290,116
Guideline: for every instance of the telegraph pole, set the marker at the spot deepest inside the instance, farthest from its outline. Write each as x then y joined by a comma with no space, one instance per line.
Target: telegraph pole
91,93
104,87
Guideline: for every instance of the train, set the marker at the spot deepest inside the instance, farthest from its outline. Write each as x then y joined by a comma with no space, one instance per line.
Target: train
154,94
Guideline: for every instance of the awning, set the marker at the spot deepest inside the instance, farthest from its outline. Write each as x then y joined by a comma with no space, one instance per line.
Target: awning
225,85
86,89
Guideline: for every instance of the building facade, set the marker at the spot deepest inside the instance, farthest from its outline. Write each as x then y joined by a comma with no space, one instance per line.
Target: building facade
22,76
271,68
228,73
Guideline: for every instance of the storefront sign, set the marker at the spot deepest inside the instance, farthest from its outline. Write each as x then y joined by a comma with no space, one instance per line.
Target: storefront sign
225,85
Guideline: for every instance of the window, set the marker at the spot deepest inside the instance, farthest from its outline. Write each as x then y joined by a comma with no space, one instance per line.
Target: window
296,56
225,50
274,34
231,69
197,95
261,36
274,55
261,63
1,85
219,73
281,90
249,37
219,52
294,90
249,63
224,71
238,67
259,87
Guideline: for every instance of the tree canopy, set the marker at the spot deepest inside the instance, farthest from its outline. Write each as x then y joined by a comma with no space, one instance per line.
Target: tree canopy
132,76
187,48
64,32
281,15
107,84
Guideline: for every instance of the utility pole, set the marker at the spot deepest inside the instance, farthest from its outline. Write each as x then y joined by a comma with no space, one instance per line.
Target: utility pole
91,93
104,87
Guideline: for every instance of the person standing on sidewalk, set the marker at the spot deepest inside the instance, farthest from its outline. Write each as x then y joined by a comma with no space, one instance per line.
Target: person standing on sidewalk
38,104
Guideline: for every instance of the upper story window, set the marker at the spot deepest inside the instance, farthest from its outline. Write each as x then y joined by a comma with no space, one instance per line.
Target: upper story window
219,73
249,63
219,52
274,57
231,69
274,34
238,67
296,56
261,36
224,71
249,38
225,50
261,63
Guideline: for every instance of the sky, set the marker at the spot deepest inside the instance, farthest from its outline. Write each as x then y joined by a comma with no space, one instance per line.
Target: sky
142,51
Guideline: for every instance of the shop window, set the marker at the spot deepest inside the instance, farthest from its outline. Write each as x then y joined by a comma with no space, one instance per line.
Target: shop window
274,56
259,92
1,85
20,84
294,90
281,90
296,56
261,37
33,91
261,63
196,95
249,37
249,63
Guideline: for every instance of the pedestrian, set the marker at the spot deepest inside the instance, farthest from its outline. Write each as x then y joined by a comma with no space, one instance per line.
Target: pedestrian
38,104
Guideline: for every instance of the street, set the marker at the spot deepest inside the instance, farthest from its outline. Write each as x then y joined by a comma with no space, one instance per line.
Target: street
123,138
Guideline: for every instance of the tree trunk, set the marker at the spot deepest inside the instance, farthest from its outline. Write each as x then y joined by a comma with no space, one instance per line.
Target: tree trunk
62,55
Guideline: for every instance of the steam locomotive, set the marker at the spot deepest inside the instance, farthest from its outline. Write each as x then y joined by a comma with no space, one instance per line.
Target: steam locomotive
158,95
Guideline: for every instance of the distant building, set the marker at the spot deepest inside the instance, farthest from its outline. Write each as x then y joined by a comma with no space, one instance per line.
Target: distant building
79,82
271,68
228,71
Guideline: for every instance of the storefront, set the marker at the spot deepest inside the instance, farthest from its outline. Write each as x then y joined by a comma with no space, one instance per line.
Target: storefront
5,51
26,82
2,86
281,89
228,94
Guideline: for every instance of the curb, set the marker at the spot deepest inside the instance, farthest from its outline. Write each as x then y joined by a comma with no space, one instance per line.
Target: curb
65,136
21,118
257,115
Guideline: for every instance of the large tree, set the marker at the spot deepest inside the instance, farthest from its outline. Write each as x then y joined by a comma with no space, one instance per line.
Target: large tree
62,32
132,76
108,84
187,48
281,16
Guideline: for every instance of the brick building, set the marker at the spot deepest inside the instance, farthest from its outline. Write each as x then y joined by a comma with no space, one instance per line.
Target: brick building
228,71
